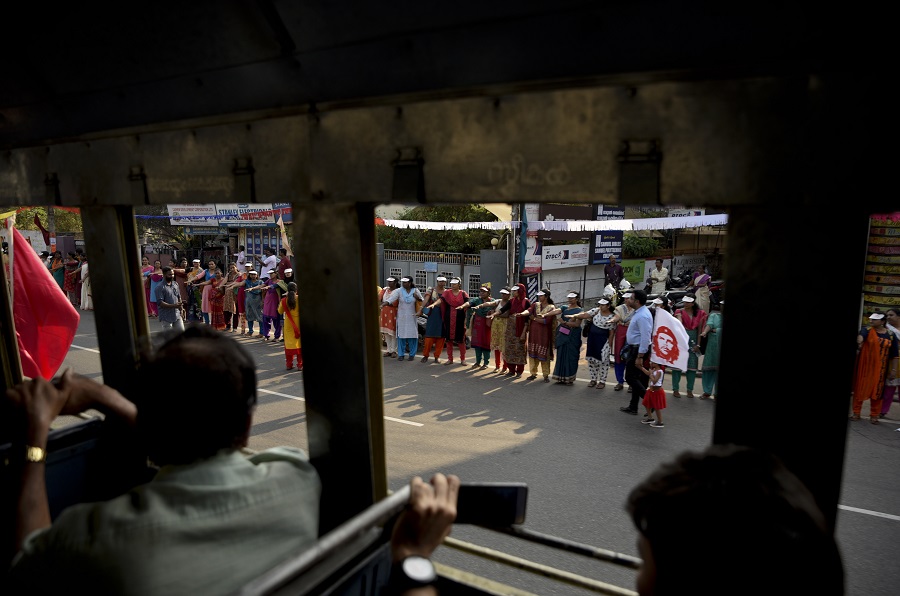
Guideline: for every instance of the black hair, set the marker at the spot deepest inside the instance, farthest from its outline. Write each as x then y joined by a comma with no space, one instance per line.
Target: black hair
166,269
180,426
283,251
292,295
775,529
640,296
577,297
241,247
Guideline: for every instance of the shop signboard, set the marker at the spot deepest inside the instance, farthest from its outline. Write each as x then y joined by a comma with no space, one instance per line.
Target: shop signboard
532,256
192,215
604,244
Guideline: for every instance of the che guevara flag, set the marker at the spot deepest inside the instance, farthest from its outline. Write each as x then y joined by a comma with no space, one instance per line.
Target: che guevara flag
670,341
45,319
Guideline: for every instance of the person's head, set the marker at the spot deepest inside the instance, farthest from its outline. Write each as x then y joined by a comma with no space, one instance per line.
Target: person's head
504,294
288,273
211,265
184,263
612,259
241,248
58,254
454,284
45,254
572,298
689,301
544,296
484,292
659,263
145,261
877,320
665,344
753,520
638,298
441,282
654,365
168,274
273,274
247,267
269,251
157,264
292,295
216,418
406,282
196,263
891,316
282,252
603,303
233,268
392,283
254,275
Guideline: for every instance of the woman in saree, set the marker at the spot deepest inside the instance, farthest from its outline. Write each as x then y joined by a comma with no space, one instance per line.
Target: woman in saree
699,285
58,269
290,308
434,322
217,301
207,288
694,320
568,341
71,272
194,276
229,305
87,301
240,297
621,320
253,301
454,320
498,329
146,270
599,341
542,325
514,354
712,332
482,306
388,299
156,278
876,346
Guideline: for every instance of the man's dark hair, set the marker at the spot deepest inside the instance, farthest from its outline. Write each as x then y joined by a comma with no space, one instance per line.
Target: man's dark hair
241,247
759,528
283,251
640,296
195,396
166,269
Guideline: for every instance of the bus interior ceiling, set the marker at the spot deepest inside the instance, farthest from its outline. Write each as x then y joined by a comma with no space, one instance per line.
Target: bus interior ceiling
769,113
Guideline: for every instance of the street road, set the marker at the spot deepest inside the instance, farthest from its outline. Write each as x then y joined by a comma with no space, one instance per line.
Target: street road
579,455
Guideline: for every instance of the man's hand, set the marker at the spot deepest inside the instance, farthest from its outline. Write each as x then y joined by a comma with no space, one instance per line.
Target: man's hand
428,517
40,402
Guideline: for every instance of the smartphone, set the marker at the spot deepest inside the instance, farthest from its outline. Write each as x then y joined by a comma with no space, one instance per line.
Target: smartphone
492,504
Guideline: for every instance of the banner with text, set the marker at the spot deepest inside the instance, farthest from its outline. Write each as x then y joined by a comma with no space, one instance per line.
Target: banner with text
563,256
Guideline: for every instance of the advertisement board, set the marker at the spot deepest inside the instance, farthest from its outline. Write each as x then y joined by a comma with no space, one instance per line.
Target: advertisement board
192,215
563,256
532,256
604,244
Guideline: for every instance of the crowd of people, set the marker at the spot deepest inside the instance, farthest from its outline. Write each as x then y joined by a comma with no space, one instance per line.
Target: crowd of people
232,301
512,331
72,275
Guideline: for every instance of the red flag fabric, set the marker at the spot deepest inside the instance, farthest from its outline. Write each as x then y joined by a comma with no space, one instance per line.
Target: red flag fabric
45,319
44,232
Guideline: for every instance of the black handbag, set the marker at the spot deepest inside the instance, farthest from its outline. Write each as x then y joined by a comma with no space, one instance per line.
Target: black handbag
586,330
627,353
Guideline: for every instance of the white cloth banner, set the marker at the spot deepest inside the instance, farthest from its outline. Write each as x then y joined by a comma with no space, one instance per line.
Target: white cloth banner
629,225
670,341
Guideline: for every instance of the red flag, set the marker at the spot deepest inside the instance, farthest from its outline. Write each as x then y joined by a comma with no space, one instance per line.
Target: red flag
44,232
45,319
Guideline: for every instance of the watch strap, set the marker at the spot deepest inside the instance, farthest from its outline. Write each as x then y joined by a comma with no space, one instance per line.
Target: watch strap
35,455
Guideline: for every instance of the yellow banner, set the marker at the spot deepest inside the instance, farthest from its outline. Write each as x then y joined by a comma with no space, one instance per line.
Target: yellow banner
883,259
877,299
892,269
883,279
879,289
8,214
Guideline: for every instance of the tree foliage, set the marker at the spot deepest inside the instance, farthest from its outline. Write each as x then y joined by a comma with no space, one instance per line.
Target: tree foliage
462,241
158,230
66,221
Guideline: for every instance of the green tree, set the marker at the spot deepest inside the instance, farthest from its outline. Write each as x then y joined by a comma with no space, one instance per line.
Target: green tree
158,230
66,221
461,241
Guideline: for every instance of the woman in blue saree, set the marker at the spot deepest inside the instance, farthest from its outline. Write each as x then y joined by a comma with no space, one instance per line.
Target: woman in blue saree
568,341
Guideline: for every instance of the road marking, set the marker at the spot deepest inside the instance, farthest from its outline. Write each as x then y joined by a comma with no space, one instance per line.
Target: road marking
281,394
86,349
304,399
870,512
492,390
409,422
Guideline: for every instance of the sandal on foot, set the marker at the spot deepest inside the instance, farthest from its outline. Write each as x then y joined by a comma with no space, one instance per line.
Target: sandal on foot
676,394
532,377
619,387
706,396
601,385
448,362
546,379
690,394
425,359
592,384
873,420
854,416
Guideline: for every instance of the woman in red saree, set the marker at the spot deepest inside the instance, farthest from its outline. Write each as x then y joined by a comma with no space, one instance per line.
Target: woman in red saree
514,354
694,320
70,282
454,320
216,295
876,345
541,334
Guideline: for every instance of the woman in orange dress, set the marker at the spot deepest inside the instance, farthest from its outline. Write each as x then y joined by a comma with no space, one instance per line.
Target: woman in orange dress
388,297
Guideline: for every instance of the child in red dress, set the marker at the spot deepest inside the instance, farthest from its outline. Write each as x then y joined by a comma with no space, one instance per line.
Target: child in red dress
655,397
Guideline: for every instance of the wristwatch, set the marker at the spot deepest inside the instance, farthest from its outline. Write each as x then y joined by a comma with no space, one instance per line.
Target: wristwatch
412,572
35,455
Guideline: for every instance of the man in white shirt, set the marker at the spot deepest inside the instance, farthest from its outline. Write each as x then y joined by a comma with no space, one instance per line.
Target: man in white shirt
658,277
270,262
241,257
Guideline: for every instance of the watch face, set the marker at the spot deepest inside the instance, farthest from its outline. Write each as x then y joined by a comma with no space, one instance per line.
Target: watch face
419,569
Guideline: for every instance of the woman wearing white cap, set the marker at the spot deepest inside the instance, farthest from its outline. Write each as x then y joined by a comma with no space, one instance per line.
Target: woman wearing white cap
568,341
434,326
621,320
515,354
455,320
693,319
240,297
599,341
253,301
875,346
499,319
388,299
541,324
229,304
482,306
407,326
712,335
193,295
